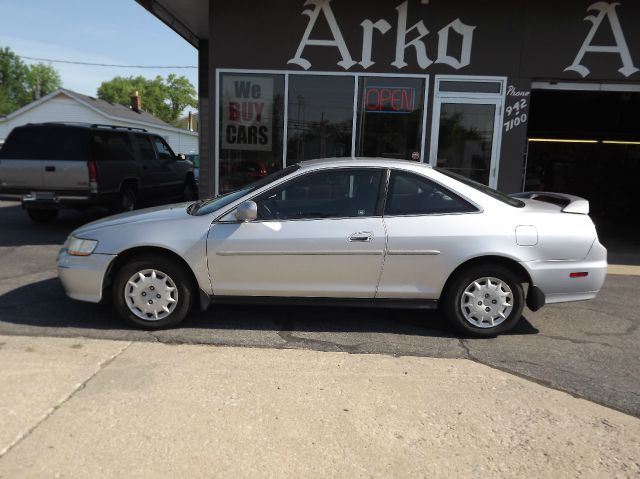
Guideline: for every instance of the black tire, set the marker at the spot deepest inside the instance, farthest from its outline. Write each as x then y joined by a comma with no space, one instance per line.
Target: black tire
126,201
177,274
42,216
190,190
452,307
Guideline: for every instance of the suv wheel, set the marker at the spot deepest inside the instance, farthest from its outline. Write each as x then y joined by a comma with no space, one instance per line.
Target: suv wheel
484,300
153,292
42,216
126,201
190,191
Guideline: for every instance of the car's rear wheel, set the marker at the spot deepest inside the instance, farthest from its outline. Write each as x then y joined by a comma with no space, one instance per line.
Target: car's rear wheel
153,292
484,300
42,215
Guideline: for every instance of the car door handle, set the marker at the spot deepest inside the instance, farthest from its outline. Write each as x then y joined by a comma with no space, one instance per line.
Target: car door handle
362,237
49,168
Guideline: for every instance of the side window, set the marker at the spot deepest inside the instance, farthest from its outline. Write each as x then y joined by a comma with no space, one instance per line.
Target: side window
144,146
108,146
164,152
347,193
24,144
411,194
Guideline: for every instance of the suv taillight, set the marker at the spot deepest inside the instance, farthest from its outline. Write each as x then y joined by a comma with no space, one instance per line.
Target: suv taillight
93,175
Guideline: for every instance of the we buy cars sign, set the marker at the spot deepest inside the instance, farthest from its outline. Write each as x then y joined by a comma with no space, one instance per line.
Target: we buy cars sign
247,106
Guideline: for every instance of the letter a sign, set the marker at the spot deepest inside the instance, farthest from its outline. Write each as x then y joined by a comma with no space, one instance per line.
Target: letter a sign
608,11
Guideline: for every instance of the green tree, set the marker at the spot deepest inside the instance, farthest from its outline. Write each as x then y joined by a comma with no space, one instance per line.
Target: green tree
165,99
41,80
21,84
13,76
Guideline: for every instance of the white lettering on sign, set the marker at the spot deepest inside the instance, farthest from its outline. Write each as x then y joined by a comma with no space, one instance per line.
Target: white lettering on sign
322,6
466,32
608,11
516,114
247,103
383,26
511,91
416,43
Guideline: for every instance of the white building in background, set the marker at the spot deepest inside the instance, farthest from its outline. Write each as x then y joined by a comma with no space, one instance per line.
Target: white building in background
66,106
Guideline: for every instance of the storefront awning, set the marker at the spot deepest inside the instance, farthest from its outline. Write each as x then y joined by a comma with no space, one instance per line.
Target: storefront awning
188,18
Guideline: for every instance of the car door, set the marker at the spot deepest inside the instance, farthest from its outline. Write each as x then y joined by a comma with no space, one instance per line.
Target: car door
429,229
318,235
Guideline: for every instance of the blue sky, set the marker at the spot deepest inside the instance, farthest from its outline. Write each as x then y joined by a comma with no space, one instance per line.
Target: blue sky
115,32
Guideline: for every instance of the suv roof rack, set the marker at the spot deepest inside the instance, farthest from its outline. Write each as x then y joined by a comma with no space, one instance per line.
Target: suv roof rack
117,127
90,125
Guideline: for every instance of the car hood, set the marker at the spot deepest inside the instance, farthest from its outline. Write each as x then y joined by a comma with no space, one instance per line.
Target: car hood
157,213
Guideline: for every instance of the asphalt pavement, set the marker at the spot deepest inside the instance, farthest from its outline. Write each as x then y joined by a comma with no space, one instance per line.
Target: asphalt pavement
588,349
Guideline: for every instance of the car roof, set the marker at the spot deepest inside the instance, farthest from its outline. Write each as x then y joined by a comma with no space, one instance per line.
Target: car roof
362,161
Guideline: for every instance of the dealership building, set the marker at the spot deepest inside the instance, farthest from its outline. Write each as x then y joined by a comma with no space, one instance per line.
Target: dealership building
516,94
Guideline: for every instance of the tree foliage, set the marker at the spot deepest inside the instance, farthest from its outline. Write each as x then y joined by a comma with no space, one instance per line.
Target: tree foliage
21,84
163,98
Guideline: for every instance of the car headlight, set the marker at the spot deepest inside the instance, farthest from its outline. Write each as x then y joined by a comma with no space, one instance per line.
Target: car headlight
79,246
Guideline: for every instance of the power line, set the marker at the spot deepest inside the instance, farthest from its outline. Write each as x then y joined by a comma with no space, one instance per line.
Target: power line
107,64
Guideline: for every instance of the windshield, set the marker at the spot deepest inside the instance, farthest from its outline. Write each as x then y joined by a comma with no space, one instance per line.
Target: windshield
204,207
483,188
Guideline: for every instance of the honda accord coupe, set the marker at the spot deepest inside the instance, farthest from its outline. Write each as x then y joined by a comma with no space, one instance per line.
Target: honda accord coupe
365,232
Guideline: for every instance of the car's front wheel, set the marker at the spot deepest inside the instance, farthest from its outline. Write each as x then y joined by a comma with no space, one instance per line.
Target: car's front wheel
153,292
484,300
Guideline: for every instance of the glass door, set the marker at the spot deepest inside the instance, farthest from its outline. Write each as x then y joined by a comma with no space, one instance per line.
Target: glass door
466,139
466,133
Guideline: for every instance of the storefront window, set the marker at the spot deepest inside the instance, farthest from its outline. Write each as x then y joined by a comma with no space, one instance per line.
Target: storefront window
390,115
320,117
251,128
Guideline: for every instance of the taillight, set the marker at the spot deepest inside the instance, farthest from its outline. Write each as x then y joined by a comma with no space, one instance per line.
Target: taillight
93,170
93,175
579,274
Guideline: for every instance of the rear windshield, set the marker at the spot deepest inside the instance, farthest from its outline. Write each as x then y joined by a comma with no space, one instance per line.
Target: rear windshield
46,143
483,188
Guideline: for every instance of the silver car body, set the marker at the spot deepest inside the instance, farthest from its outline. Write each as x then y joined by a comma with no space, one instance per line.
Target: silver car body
403,257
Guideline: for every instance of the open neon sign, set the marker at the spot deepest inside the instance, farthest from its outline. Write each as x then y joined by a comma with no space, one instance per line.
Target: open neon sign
389,99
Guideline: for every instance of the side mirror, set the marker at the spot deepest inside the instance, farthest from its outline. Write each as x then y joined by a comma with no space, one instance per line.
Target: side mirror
247,211
182,156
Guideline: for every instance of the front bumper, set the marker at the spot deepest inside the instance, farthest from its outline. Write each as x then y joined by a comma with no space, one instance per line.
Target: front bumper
554,280
83,277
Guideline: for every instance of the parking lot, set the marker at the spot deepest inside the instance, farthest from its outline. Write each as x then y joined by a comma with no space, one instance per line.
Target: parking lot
588,349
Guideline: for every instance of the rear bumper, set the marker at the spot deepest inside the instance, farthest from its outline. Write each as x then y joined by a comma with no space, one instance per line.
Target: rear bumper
83,277
57,200
554,280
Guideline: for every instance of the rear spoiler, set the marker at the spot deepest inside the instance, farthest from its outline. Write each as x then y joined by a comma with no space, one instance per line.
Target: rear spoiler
569,203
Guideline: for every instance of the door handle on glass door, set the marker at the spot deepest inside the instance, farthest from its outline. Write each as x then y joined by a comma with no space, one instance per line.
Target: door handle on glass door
361,237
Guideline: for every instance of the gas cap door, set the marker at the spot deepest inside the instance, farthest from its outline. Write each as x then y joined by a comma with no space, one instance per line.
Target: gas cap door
526,235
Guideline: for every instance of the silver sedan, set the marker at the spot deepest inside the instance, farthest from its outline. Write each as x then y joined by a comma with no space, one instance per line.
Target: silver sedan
365,232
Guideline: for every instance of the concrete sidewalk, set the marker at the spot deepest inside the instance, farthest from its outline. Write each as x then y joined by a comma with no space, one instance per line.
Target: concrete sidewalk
94,408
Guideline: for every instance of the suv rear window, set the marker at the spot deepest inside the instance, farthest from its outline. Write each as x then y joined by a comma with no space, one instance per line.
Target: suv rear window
112,146
58,143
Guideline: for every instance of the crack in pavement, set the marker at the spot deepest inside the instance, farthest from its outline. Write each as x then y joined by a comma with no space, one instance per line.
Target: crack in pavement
21,437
